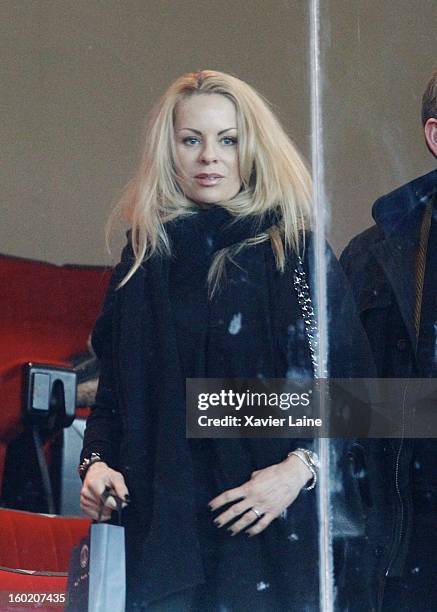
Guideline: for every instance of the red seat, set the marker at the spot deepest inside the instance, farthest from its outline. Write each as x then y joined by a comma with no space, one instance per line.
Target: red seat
40,543
46,315
27,587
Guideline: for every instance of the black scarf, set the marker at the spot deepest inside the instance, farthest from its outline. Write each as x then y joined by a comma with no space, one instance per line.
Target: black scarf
151,376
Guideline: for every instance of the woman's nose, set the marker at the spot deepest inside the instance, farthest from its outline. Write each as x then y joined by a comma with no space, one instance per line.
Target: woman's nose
208,154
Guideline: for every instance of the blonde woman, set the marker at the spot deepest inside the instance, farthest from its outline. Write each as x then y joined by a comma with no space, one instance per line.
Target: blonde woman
218,211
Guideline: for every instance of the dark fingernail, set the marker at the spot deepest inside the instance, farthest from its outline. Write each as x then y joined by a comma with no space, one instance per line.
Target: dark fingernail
127,498
231,532
217,522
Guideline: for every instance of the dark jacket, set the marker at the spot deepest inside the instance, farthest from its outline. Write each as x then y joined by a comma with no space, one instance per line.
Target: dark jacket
138,421
380,265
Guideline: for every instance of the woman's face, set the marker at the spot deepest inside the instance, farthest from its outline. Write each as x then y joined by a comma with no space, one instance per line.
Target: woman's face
207,148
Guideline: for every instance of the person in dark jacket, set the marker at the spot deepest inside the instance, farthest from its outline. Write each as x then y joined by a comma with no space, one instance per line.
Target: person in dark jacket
392,268
207,288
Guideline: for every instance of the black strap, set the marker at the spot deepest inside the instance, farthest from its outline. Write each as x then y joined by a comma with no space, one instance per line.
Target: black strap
108,492
44,470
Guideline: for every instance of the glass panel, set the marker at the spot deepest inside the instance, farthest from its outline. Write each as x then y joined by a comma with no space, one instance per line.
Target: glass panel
376,60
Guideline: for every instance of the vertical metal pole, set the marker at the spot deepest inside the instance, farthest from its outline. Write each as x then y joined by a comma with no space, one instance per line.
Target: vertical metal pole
326,573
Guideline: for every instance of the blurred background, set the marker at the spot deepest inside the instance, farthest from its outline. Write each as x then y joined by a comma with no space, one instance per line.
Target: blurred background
79,78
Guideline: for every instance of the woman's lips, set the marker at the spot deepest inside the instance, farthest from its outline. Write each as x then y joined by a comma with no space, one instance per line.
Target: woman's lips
208,180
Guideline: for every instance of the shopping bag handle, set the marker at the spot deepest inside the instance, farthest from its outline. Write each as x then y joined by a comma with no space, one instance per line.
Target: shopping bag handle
108,492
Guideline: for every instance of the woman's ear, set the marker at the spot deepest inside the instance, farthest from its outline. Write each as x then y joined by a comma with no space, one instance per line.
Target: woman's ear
430,130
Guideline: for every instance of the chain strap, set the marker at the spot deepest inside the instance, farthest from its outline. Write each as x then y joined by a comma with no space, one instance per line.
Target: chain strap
306,306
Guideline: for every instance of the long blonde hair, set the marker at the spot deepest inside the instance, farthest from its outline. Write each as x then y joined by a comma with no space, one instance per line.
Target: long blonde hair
273,174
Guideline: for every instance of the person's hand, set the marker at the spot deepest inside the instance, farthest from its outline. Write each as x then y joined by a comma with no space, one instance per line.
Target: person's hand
263,498
99,477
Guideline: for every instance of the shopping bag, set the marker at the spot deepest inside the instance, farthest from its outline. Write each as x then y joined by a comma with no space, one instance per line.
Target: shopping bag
97,574
78,578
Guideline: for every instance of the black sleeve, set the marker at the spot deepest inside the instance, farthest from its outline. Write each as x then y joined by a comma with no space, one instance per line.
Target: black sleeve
347,258
349,351
103,431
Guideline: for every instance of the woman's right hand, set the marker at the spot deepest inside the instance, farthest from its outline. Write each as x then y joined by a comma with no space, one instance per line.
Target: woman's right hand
99,477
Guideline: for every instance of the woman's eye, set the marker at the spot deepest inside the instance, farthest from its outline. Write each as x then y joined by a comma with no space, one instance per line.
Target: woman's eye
229,140
190,140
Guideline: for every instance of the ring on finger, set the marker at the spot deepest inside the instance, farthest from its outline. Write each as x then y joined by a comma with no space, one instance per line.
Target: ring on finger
257,513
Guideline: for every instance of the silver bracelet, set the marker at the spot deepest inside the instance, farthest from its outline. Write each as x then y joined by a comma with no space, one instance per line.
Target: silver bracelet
311,460
87,463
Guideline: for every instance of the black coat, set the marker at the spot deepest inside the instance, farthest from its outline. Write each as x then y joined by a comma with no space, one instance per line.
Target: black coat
138,421
380,265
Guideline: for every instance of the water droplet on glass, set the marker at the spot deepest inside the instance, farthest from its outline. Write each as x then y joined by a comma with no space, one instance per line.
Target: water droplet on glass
235,324
262,586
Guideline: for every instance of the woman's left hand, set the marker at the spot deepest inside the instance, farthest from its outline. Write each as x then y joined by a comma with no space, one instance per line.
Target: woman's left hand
263,498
